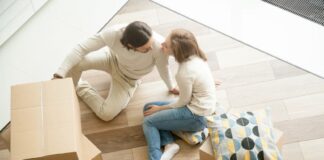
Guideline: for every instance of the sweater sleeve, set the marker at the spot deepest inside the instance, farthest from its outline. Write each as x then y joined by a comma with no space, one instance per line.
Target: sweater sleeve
185,83
162,64
82,49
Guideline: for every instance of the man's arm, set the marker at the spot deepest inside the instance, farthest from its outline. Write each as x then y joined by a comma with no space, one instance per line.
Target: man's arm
162,64
164,71
78,52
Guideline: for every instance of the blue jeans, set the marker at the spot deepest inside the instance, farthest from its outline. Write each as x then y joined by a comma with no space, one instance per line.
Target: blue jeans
158,126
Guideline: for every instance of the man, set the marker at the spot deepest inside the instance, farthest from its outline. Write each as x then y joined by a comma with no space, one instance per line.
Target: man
134,50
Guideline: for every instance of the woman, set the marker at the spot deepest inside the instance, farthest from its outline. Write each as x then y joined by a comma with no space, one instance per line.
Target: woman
197,97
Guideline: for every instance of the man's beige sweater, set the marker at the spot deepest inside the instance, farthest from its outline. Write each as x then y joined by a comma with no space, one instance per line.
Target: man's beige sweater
131,63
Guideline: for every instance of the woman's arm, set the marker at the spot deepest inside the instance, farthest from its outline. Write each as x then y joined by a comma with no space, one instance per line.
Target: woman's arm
185,82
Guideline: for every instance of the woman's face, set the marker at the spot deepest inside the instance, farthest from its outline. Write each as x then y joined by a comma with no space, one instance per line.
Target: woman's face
166,46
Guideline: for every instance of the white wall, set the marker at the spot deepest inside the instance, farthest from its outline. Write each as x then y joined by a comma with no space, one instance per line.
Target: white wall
14,13
277,32
38,48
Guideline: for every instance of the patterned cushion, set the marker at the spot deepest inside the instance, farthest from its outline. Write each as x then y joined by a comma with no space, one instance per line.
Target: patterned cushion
245,136
192,138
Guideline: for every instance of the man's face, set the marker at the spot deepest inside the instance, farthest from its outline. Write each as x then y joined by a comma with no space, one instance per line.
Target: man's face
146,47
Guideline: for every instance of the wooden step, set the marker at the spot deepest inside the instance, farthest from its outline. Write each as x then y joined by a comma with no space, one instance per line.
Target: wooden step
132,115
125,131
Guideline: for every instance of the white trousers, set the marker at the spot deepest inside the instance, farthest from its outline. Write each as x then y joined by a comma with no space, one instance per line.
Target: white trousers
121,90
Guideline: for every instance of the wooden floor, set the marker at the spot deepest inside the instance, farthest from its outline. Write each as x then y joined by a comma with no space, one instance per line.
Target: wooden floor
251,80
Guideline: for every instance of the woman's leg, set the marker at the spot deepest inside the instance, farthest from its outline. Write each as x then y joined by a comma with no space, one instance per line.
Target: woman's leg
168,120
165,136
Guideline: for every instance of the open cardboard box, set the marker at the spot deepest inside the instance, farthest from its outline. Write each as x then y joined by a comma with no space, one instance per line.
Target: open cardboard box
206,151
46,125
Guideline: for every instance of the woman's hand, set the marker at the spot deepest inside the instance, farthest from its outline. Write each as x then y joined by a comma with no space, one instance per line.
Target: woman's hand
153,109
174,91
218,82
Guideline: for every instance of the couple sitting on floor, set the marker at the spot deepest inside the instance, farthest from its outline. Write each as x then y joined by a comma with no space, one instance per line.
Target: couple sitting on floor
133,52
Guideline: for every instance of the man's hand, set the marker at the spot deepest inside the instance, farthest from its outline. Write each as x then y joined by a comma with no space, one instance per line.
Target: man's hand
174,91
56,76
153,109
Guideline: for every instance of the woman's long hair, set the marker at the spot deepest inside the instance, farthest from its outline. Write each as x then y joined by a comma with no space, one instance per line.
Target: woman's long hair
184,45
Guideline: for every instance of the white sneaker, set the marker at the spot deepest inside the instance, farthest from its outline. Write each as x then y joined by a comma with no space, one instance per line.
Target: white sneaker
169,151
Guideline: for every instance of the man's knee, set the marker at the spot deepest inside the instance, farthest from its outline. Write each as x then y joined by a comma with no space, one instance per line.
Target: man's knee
108,115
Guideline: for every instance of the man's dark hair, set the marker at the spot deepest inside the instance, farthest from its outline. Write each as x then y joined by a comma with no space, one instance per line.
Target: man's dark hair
136,34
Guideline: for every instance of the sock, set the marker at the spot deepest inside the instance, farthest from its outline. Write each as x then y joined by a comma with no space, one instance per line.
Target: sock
169,151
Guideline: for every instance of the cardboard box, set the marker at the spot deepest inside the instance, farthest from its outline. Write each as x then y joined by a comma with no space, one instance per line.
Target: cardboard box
206,152
45,123
5,136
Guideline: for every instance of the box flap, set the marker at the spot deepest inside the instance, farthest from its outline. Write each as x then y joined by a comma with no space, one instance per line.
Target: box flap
89,150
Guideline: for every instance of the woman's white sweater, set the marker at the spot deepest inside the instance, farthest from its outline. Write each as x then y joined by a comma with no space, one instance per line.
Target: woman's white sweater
196,86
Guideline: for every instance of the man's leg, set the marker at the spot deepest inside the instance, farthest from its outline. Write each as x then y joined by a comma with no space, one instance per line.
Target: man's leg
107,109
120,92
97,61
